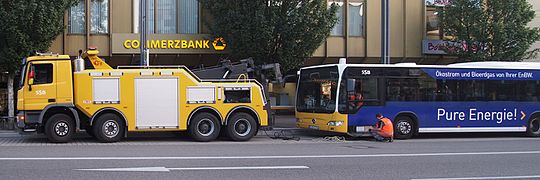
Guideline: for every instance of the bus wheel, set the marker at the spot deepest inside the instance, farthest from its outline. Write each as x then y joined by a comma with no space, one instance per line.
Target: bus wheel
533,128
109,128
404,127
241,127
204,127
59,128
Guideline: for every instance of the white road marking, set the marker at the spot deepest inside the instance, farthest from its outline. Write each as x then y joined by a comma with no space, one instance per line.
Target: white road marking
164,169
481,178
267,157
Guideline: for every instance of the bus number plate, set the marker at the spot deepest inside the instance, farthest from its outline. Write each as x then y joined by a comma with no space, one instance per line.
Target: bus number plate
313,127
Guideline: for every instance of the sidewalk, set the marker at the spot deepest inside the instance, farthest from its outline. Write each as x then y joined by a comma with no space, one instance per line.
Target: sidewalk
285,121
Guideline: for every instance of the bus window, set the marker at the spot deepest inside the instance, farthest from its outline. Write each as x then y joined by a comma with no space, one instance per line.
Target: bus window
528,91
317,90
357,91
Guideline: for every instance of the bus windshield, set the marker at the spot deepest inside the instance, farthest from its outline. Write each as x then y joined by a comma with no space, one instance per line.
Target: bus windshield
317,90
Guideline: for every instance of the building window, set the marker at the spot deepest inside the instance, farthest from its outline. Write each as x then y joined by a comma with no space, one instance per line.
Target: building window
99,16
76,18
162,21
356,19
338,28
189,17
173,16
433,29
432,23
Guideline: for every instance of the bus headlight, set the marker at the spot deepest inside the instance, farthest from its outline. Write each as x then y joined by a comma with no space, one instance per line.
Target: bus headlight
335,123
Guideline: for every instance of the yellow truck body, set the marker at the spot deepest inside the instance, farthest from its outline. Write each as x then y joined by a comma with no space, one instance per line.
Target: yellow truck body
56,99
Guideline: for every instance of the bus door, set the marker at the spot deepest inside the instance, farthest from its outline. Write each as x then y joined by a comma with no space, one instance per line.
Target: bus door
360,95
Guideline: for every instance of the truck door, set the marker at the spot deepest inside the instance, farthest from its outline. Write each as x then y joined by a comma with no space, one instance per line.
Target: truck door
40,88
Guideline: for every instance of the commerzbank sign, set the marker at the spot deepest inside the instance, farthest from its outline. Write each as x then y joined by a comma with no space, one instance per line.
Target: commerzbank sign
169,44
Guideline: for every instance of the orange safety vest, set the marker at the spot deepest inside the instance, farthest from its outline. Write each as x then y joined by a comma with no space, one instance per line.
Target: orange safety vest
388,128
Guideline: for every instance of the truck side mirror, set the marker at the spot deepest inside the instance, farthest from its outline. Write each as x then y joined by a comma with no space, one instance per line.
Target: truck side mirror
31,75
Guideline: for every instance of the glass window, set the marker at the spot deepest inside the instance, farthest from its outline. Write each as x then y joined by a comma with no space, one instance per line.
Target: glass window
76,18
338,28
189,17
357,92
317,90
528,91
356,19
99,17
150,16
162,16
433,29
237,95
432,23
43,73
412,85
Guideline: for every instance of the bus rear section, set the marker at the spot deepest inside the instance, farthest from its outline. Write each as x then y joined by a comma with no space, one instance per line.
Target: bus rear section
484,97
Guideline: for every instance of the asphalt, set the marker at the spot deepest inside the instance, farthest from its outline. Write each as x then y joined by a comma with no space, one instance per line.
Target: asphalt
312,155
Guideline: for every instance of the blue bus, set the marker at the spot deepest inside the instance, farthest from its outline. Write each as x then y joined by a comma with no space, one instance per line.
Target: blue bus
461,97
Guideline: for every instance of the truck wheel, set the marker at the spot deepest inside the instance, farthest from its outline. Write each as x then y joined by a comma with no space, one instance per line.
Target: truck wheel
204,127
404,127
59,128
533,127
241,127
109,128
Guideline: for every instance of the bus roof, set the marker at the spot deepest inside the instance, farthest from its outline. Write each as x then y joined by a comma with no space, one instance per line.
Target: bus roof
467,65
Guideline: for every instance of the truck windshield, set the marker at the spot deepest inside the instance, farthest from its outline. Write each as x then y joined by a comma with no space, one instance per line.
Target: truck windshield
22,76
317,90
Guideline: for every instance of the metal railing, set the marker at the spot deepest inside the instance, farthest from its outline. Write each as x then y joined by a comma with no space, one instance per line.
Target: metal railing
7,123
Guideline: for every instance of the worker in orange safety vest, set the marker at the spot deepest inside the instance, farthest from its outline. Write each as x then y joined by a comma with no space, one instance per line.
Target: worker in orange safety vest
383,130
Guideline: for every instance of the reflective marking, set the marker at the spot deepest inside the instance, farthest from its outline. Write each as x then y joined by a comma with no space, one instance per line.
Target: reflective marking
94,74
269,157
164,169
476,178
478,129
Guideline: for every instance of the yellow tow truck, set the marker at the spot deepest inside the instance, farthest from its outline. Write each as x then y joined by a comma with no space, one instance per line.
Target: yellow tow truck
59,96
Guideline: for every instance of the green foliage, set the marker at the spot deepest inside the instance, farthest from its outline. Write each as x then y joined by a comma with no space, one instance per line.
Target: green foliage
490,29
270,31
27,26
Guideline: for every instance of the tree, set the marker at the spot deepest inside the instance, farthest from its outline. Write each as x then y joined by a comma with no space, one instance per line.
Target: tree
483,30
272,31
26,27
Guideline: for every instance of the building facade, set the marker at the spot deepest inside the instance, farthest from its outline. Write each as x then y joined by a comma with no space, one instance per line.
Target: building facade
178,35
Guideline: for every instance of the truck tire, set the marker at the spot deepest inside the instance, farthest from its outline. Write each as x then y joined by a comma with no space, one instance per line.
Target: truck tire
404,127
204,127
533,127
241,127
59,128
109,128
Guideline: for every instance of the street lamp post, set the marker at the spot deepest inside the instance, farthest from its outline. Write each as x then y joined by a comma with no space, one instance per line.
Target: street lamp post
143,32
385,35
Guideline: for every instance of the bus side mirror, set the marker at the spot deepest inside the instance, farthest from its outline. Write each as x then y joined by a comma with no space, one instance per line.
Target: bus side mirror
350,85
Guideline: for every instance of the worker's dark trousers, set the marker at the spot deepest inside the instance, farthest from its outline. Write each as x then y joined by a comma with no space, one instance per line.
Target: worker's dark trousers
378,137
